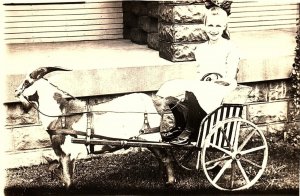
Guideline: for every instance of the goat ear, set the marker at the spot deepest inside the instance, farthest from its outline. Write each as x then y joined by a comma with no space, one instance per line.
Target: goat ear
34,97
42,71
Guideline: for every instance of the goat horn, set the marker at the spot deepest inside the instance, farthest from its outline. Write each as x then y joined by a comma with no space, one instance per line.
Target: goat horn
40,72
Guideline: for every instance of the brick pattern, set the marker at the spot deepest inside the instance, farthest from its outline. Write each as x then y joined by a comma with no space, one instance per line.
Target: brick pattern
269,91
278,90
148,24
33,137
270,106
25,138
175,33
141,22
152,9
180,29
16,115
277,128
138,36
181,13
259,93
177,51
152,40
268,112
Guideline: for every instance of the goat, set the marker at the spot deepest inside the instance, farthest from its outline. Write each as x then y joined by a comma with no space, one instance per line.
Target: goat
125,120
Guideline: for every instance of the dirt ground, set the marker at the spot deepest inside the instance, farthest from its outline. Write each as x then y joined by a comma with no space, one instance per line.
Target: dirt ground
138,173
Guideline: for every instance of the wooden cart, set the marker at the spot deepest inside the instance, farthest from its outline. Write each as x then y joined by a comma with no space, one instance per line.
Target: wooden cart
233,151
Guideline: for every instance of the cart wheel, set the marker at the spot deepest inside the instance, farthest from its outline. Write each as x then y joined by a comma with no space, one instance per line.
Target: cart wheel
241,152
186,158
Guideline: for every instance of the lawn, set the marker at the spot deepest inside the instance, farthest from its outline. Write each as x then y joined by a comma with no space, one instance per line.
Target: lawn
138,173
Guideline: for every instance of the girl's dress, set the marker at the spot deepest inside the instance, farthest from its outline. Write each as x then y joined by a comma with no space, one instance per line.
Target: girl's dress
222,58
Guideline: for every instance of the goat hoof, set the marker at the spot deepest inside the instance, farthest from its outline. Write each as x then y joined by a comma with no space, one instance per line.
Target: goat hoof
170,183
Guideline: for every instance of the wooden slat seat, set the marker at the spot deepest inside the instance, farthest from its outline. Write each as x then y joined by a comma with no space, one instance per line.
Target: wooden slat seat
223,112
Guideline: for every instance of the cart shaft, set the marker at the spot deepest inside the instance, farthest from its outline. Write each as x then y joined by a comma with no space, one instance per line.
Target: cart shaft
131,143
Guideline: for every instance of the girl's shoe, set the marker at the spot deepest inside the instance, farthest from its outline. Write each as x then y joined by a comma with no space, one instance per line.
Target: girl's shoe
183,138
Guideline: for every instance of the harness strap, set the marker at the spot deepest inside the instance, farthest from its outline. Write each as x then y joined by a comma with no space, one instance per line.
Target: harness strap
146,125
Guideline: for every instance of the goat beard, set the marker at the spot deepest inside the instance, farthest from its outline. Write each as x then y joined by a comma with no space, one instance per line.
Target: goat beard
26,105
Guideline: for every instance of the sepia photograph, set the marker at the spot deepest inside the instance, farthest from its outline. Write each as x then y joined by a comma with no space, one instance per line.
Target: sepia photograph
114,97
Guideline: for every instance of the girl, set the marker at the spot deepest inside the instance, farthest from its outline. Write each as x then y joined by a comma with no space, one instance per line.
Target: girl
217,55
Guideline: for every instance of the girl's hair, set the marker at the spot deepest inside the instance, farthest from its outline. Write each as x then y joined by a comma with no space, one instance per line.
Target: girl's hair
215,11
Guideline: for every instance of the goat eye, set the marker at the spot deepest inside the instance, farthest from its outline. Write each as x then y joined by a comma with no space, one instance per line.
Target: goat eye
26,83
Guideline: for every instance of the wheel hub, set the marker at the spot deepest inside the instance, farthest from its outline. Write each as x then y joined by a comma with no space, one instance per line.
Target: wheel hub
236,156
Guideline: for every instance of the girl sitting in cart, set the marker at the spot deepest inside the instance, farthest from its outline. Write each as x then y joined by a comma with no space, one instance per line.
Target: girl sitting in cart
217,64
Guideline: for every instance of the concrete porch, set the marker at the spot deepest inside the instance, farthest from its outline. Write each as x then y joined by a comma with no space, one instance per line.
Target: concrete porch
265,55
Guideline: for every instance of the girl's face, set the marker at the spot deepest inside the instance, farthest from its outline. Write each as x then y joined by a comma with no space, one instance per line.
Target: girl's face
215,25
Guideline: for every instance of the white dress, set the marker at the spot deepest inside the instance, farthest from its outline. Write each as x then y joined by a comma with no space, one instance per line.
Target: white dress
222,58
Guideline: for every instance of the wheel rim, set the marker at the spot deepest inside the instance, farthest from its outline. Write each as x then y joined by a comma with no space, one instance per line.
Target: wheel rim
186,158
240,149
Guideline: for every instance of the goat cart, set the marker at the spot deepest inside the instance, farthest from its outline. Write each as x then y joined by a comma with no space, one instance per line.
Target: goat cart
232,151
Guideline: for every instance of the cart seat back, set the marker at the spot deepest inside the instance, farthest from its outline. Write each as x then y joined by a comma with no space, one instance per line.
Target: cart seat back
223,112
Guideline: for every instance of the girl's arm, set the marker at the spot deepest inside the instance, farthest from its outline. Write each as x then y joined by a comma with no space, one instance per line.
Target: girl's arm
232,63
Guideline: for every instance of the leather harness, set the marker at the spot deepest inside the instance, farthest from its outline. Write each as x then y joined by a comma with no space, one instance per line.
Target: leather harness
89,133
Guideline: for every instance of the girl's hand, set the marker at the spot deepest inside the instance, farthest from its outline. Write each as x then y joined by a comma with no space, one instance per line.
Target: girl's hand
221,82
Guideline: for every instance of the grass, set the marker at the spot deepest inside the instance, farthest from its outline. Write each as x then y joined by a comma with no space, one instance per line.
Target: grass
138,173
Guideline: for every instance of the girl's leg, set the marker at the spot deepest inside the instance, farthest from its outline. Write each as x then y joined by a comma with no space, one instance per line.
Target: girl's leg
195,114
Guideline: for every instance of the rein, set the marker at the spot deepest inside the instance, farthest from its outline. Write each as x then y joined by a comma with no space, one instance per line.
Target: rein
86,112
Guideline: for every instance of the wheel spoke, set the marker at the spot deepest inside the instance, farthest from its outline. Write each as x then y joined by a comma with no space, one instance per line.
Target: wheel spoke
232,175
246,140
252,150
251,162
226,165
186,155
243,171
198,160
217,160
221,149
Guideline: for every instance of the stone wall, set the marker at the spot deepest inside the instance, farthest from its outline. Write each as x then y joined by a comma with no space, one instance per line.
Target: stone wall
270,107
180,29
141,22
23,129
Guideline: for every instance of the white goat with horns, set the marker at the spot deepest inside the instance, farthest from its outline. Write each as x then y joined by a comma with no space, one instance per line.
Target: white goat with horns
57,112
